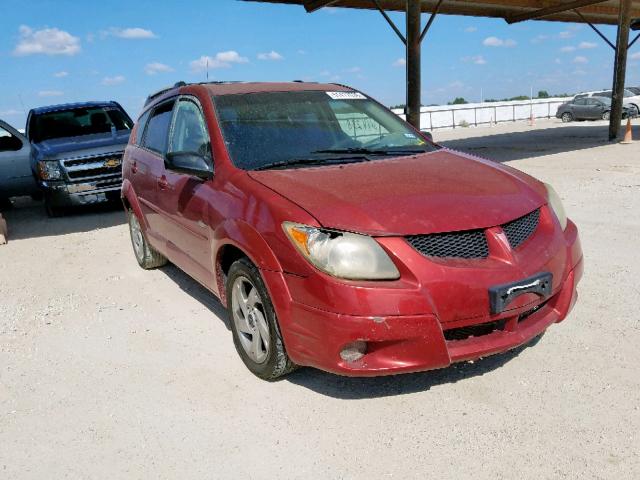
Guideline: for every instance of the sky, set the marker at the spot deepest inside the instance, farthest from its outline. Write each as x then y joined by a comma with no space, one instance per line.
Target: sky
59,51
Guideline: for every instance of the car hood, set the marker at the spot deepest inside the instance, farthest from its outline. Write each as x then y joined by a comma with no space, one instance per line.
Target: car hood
85,145
434,192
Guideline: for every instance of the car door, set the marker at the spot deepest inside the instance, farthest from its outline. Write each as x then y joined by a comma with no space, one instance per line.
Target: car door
579,108
183,199
148,164
16,177
593,109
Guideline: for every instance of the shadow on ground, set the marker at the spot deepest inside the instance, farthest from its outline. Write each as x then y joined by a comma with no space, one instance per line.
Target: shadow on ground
27,219
348,388
198,292
503,147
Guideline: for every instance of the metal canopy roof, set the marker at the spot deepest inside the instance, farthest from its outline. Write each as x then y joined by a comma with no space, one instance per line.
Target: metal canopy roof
603,12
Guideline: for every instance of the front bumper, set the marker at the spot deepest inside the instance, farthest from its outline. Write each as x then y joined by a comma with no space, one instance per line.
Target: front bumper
60,194
415,327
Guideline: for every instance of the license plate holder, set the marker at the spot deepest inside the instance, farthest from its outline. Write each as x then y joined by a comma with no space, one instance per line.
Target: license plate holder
500,296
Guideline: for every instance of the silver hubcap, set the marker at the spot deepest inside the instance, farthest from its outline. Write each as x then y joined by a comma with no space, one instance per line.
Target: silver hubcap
136,237
250,320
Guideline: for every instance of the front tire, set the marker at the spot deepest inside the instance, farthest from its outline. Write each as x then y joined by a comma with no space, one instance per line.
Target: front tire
254,325
147,256
566,117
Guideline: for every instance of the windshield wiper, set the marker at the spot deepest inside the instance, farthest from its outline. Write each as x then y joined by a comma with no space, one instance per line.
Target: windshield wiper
370,151
311,161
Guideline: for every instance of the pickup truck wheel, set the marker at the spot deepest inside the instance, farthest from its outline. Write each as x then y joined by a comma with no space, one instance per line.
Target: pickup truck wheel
254,325
147,256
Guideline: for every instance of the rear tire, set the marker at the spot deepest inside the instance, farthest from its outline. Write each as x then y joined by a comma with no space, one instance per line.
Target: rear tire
606,115
147,256
566,117
256,334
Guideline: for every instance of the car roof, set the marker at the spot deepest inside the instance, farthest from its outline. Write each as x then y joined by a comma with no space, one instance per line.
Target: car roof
235,88
70,106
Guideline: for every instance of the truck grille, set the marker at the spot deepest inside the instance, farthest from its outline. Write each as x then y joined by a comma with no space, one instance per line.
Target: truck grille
472,244
100,167
519,230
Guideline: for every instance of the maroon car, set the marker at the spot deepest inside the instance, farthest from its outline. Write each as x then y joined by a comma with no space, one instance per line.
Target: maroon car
337,235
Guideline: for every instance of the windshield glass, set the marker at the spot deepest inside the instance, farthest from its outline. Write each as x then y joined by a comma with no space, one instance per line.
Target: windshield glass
262,129
76,122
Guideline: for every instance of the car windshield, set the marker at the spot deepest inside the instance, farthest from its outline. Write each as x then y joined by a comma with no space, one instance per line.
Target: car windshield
76,122
280,129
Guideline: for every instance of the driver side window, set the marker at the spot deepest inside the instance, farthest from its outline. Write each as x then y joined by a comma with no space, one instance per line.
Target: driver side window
190,131
9,142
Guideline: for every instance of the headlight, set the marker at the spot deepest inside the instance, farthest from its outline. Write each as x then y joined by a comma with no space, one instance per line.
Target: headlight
49,170
556,205
342,254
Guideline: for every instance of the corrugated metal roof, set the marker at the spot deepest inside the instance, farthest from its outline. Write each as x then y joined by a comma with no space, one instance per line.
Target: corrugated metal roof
604,12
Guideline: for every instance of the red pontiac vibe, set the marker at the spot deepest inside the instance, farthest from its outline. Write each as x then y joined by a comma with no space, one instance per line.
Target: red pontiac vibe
338,236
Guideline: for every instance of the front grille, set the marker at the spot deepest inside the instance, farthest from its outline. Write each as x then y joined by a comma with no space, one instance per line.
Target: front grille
462,333
519,230
94,172
98,159
468,244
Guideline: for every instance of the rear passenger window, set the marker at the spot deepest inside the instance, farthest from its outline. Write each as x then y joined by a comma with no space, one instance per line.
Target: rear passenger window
157,133
142,122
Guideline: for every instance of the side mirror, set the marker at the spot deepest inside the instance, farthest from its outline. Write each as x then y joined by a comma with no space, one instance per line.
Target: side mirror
428,135
190,163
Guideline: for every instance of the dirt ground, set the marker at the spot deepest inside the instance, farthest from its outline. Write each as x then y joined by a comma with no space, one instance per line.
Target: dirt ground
111,372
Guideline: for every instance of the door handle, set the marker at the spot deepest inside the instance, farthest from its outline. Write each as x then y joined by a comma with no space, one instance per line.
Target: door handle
163,183
134,167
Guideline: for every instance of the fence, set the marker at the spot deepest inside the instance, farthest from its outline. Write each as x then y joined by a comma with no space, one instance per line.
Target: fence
454,116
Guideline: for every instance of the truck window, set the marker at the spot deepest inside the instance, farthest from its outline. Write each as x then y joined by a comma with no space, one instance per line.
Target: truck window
76,122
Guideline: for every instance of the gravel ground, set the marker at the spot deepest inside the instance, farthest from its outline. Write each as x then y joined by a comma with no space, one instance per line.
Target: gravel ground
108,371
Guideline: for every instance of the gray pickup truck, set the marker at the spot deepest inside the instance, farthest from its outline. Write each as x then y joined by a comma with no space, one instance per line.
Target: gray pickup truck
76,152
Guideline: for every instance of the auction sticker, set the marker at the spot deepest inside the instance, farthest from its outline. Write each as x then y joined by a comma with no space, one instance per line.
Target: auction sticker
346,95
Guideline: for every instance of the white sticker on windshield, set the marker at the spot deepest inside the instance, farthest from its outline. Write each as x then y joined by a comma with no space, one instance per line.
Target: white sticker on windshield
346,95
409,135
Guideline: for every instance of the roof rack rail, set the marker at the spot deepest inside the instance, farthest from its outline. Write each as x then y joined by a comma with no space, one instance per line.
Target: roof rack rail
164,90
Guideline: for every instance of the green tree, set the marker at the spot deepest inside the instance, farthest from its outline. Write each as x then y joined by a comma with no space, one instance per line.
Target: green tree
458,101
543,94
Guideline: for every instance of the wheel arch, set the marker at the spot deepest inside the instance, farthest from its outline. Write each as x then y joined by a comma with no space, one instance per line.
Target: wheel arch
130,201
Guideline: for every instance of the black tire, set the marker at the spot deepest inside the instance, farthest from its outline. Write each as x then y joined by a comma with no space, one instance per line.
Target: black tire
606,115
566,117
147,256
277,362
5,204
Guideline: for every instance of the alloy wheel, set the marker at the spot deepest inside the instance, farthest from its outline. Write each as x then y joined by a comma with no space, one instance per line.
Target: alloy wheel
250,320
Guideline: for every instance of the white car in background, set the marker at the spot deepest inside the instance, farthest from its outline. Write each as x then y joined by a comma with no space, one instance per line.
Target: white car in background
630,98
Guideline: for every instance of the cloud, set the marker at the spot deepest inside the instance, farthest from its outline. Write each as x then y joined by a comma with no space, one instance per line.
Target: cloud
539,38
578,71
302,52
132,33
353,70
476,59
61,74
498,42
272,55
566,34
221,60
470,29
157,67
635,56
111,81
50,93
456,84
568,48
580,59
401,62
48,41
587,45
10,113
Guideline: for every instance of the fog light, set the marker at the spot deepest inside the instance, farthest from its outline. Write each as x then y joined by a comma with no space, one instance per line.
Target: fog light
354,351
